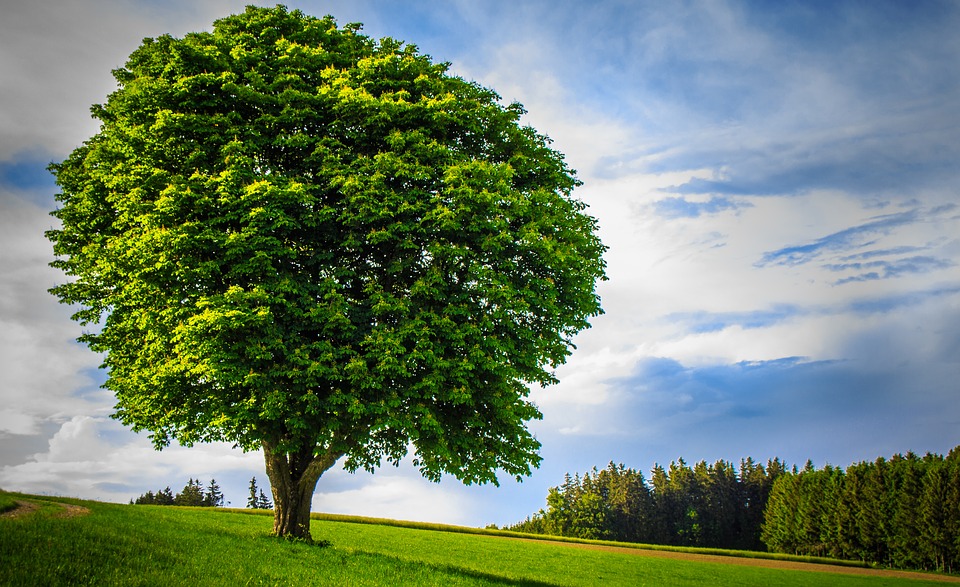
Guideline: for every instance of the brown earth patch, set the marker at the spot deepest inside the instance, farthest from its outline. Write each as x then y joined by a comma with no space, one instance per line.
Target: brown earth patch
26,508
763,562
72,511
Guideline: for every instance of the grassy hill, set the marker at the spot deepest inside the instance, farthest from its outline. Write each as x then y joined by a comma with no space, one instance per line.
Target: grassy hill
112,544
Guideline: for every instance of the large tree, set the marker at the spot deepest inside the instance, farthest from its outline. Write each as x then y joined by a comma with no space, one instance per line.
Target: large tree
289,236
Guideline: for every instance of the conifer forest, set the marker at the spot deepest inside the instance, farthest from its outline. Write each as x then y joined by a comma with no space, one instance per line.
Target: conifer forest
902,512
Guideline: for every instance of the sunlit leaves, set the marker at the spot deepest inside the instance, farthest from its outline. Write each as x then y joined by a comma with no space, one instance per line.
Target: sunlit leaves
292,234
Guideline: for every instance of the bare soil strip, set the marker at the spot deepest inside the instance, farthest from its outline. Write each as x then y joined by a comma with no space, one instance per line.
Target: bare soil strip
26,508
763,562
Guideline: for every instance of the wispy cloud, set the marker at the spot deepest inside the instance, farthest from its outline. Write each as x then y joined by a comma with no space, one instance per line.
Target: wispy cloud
791,100
904,250
864,252
853,237
743,161
943,295
875,270
699,322
684,208
790,407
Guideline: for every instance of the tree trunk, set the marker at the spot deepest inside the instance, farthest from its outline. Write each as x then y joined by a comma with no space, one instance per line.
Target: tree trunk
293,478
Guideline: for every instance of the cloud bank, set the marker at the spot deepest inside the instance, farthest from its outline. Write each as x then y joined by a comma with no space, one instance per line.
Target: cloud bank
777,186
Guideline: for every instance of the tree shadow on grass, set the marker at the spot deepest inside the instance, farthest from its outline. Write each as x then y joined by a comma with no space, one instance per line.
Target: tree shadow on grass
453,569
304,541
448,568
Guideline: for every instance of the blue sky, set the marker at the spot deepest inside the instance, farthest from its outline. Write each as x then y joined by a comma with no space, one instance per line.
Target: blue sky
777,183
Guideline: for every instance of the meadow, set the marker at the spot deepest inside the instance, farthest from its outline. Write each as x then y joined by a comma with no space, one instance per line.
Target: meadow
115,544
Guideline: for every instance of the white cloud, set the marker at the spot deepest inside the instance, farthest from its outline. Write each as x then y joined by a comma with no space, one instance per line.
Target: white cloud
41,367
76,441
762,137
17,422
62,53
96,458
393,494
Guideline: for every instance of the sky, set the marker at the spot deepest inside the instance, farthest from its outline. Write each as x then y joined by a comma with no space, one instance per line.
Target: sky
777,185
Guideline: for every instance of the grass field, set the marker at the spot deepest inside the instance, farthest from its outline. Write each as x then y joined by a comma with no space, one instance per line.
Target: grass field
149,545
6,502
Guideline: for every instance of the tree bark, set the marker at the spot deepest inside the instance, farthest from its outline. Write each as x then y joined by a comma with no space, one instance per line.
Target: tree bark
293,478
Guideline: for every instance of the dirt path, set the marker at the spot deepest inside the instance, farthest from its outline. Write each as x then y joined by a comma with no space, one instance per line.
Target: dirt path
762,562
26,508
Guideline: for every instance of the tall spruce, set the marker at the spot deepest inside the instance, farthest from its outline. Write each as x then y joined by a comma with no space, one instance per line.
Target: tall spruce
263,502
902,512
213,496
191,495
165,496
708,505
253,498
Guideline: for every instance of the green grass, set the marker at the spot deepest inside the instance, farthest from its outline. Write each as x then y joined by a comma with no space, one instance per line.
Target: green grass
7,502
632,545
150,545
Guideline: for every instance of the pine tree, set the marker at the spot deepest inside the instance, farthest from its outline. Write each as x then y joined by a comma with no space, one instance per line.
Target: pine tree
192,494
147,498
630,506
165,496
685,524
809,511
213,497
847,512
664,506
874,512
830,515
253,501
263,503
591,509
561,506
907,524
935,537
779,525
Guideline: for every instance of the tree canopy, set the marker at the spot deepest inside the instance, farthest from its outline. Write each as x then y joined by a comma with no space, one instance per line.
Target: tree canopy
288,235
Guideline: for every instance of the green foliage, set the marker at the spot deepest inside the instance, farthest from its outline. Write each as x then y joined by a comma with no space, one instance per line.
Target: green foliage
289,234
256,499
213,496
192,495
253,500
706,506
163,497
7,502
903,512
123,545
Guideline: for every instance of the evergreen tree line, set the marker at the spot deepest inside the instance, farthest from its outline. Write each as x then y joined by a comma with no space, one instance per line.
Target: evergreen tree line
707,505
257,500
903,512
193,494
